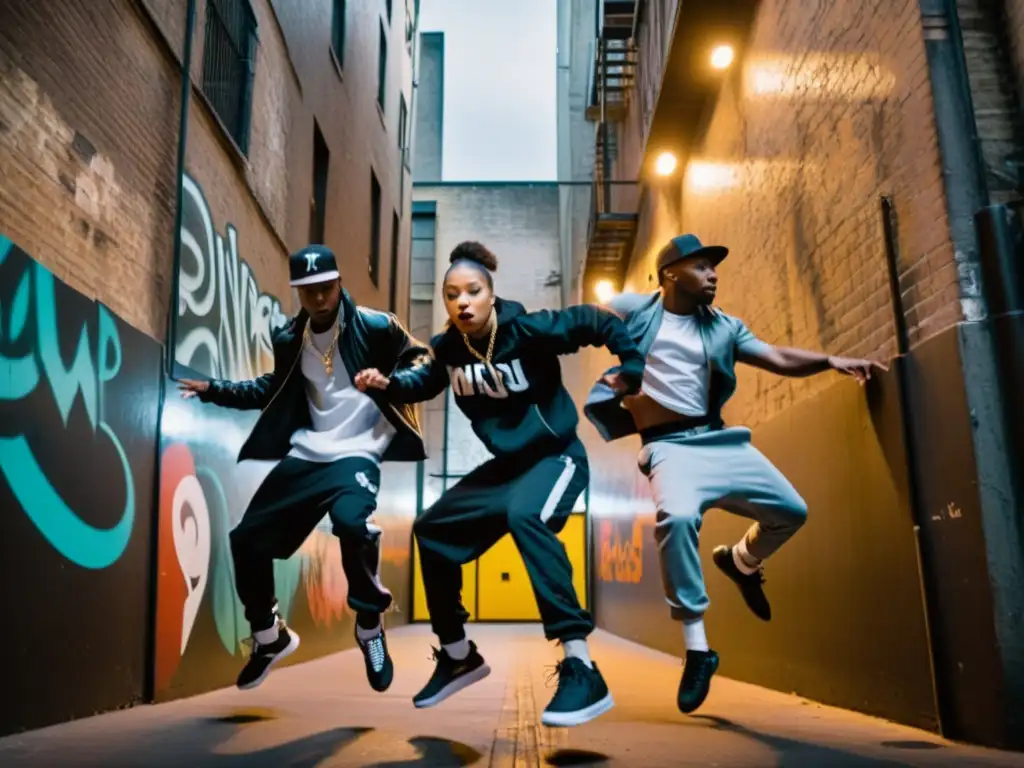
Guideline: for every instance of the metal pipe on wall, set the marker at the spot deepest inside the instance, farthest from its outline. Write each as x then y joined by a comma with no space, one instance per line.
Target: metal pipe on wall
167,359
186,94
917,508
966,193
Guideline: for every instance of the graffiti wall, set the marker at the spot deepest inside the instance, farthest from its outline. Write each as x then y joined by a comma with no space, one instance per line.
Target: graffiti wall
225,324
224,320
203,495
79,396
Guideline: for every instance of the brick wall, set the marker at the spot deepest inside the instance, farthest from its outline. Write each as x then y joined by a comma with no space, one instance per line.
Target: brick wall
88,135
359,137
89,114
830,109
987,43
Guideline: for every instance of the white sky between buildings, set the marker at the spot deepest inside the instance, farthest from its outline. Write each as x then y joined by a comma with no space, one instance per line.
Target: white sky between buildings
499,90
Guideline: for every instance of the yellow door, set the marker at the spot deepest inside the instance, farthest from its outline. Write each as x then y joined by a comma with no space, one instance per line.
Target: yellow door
504,587
419,598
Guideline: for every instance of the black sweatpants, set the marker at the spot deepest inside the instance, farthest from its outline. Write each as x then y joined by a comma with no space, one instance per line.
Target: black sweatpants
531,499
293,498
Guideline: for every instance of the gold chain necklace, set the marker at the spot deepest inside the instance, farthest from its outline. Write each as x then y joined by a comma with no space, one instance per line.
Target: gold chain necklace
327,358
486,359
490,345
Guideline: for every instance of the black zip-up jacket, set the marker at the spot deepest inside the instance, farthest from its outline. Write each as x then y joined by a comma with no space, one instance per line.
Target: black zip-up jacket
369,339
530,410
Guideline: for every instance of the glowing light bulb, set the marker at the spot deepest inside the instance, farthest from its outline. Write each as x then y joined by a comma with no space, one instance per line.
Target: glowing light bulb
722,56
665,164
604,290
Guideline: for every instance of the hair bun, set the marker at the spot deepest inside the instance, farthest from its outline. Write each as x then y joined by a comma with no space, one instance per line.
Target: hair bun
475,252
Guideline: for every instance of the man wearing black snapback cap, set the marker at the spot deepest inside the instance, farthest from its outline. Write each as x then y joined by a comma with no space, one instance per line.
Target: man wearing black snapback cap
692,460
330,439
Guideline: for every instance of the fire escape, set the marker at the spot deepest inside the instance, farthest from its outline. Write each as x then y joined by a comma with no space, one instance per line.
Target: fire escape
613,217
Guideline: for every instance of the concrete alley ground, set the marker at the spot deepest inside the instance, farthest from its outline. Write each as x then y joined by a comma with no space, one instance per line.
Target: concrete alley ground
322,714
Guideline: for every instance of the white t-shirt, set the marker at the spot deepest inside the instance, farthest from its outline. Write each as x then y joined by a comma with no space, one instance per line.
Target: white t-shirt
346,422
676,372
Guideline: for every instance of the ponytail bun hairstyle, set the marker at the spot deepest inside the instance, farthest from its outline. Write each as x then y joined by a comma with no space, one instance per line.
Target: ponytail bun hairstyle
476,255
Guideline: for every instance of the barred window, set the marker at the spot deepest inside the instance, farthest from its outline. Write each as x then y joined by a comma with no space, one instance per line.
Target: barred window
229,64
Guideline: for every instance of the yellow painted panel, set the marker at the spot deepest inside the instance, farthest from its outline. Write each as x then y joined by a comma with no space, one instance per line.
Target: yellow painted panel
505,590
419,597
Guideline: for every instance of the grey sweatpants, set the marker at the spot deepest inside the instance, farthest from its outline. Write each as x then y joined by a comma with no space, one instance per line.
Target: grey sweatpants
720,469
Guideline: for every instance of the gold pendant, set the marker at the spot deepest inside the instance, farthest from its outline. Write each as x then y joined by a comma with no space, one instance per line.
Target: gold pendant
329,366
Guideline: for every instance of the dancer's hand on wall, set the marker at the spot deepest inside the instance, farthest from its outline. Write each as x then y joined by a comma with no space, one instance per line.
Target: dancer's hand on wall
859,369
191,387
371,378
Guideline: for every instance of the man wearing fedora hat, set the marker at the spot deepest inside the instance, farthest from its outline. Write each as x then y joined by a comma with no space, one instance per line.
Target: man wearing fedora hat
692,460
330,439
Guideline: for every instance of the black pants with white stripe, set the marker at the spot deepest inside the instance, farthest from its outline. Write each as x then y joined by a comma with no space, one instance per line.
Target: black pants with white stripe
293,498
528,498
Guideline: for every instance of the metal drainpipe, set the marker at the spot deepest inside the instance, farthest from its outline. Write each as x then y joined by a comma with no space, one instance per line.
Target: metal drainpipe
167,359
918,513
966,193
186,94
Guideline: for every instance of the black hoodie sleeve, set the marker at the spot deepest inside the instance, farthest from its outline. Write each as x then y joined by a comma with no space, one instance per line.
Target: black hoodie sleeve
418,379
563,332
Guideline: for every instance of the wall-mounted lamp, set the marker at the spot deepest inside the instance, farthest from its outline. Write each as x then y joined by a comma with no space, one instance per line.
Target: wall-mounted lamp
722,56
605,291
665,164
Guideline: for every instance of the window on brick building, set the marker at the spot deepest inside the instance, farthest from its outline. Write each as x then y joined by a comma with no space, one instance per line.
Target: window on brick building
382,66
318,201
338,31
229,63
403,119
374,228
409,27
393,292
421,267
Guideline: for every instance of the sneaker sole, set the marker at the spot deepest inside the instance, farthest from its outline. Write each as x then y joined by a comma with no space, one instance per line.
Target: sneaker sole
580,716
288,650
454,687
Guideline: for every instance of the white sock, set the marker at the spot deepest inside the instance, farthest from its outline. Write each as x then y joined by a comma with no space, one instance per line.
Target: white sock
459,650
694,635
578,650
367,634
267,636
745,561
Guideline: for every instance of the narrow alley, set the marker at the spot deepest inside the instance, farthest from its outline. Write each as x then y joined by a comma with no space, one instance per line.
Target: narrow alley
321,713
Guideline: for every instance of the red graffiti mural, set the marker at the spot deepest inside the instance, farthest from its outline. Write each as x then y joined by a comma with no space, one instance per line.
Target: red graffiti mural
621,560
183,558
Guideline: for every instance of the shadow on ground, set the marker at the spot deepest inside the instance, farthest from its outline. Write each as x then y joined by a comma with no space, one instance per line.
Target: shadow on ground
799,754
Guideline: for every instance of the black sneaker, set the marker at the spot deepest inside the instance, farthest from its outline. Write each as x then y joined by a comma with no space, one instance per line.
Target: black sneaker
697,673
379,669
264,657
451,676
581,696
751,585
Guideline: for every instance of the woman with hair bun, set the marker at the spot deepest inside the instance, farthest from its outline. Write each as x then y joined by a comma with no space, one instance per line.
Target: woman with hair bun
502,363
